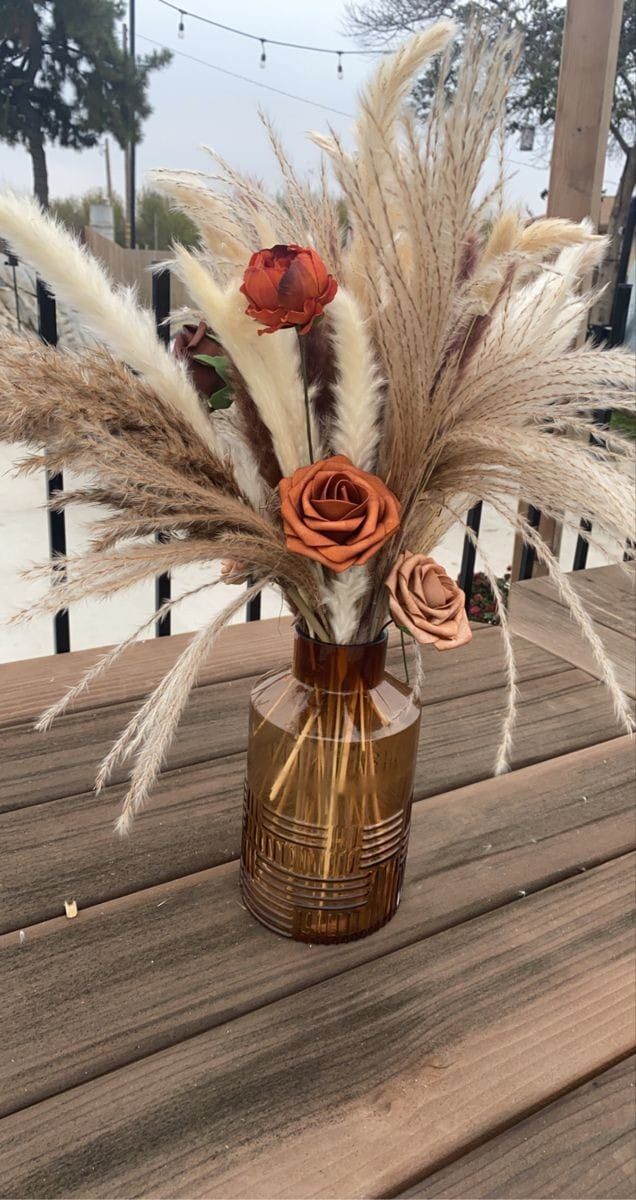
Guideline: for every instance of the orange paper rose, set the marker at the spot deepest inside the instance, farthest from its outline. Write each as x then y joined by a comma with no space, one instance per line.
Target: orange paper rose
427,602
336,514
287,287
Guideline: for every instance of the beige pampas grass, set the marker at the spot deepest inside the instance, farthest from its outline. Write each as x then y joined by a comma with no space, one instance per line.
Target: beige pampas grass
222,239
110,314
343,602
152,728
358,390
107,660
504,750
448,363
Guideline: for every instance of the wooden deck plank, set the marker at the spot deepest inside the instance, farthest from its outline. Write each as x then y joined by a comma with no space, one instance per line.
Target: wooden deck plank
581,1145
362,1082
542,620
27,687
68,847
471,851
608,593
37,767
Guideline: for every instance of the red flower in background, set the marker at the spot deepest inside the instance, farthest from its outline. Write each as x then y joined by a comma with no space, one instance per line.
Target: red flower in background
190,341
287,287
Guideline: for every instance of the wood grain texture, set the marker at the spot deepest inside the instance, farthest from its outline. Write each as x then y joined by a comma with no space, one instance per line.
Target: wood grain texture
198,959
587,74
162,1043
581,1145
360,1083
608,593
27,687
68,846
37,767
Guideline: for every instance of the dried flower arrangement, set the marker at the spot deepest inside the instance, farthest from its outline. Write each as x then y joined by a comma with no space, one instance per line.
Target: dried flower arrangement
371,384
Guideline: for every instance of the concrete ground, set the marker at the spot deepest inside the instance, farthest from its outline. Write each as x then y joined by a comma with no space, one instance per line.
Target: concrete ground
24,541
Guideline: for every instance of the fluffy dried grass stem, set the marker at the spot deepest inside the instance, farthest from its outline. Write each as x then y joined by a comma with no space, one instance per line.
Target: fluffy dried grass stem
107,660
110,314
151,730
566,592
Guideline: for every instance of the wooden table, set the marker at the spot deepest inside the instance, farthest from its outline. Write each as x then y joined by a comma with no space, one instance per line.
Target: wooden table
162,1043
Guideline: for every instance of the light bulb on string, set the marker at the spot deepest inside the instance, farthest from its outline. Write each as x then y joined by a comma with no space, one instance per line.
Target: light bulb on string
340,71
181,29
263,58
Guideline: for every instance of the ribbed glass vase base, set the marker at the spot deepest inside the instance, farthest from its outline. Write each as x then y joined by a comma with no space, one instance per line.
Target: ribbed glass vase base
298,886
329,785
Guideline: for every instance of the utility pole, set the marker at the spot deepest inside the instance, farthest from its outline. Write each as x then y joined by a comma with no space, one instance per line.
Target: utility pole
109,178
124,46
132,241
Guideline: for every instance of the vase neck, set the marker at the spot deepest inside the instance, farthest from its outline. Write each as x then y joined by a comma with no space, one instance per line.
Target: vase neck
339,668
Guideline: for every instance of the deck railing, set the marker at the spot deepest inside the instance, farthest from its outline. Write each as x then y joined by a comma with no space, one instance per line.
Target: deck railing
161,288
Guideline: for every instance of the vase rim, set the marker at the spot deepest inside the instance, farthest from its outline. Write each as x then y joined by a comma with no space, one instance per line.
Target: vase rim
338,666
376,643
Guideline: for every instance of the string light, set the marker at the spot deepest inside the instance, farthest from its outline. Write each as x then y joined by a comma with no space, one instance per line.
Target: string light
255,37
245,79
305,100
181,29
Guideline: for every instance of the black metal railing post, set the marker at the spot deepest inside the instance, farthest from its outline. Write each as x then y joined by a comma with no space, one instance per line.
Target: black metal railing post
528,552
601,418
47,329
11,261
469,552
161,309
253,606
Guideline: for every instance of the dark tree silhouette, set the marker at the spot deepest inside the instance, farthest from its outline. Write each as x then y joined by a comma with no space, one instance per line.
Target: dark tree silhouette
65,78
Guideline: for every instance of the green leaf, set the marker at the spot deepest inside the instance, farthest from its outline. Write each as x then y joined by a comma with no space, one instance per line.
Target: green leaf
219,362
221,399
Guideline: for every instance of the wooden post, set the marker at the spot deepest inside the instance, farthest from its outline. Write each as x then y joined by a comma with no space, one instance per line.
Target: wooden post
584,102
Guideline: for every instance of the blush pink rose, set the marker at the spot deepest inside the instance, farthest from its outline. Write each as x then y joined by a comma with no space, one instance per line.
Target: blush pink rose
427,602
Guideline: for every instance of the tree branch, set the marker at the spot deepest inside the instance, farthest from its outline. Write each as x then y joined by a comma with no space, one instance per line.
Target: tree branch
631,90
617,135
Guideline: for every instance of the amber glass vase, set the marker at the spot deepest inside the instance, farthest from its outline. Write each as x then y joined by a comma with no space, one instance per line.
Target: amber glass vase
328,792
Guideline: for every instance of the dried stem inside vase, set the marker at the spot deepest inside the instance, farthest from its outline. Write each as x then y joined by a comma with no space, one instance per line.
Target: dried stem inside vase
329,784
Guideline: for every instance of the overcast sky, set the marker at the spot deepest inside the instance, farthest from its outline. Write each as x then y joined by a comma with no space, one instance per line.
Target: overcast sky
194,104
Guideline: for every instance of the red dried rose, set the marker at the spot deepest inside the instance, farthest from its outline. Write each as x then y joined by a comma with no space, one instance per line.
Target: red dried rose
287,287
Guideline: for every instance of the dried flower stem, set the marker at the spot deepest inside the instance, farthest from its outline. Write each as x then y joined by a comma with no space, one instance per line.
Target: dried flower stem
303,371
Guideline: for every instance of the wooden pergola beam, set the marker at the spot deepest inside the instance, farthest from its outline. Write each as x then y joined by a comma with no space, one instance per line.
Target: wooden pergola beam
587,76
584,103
